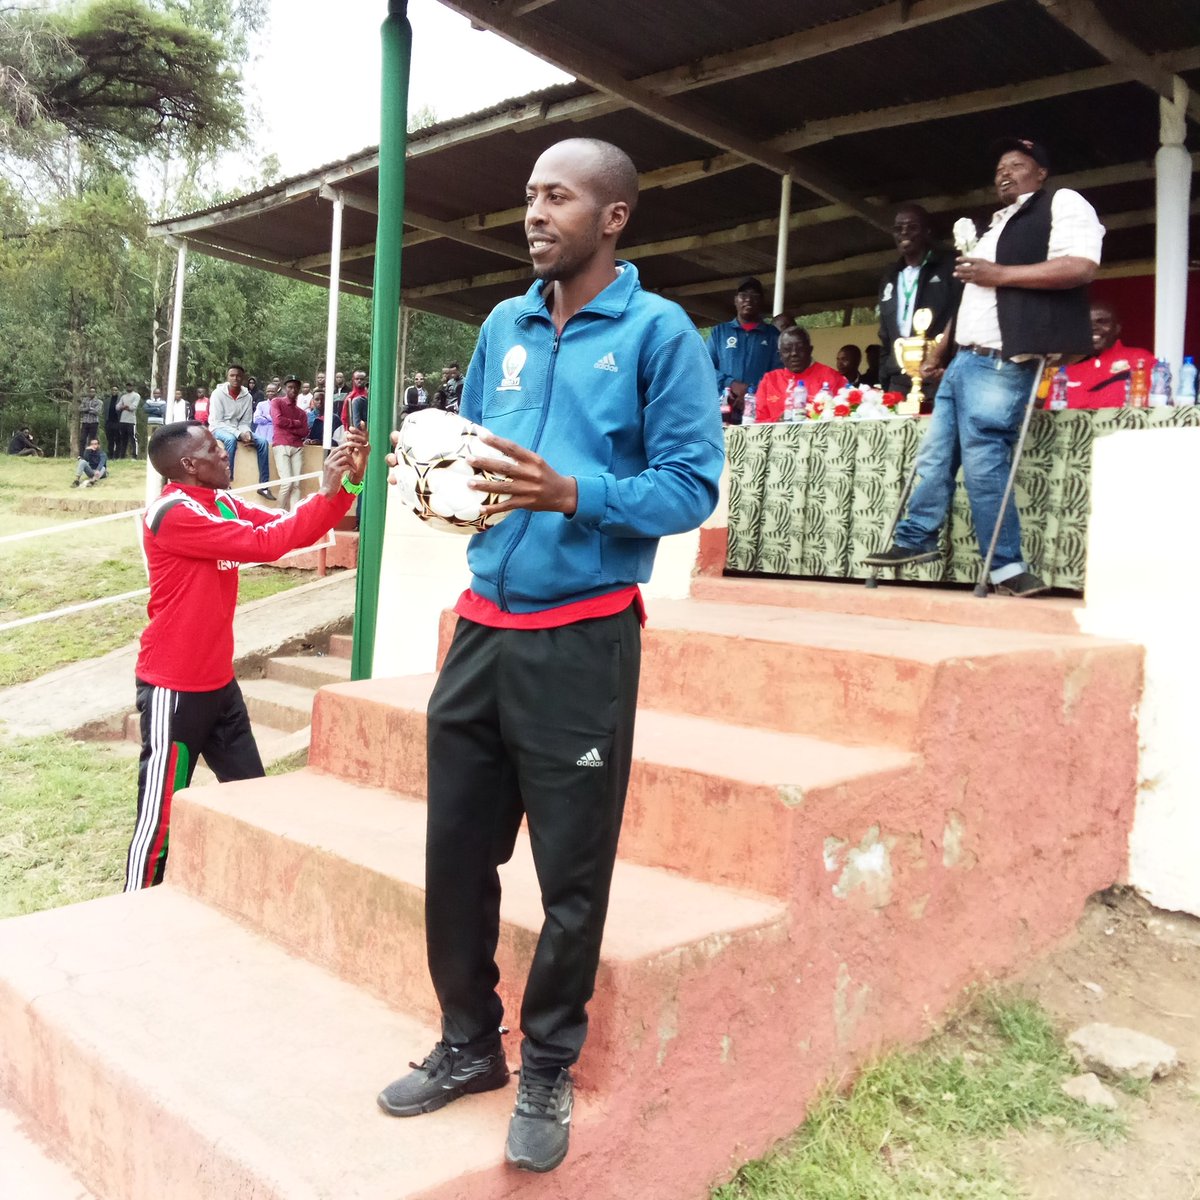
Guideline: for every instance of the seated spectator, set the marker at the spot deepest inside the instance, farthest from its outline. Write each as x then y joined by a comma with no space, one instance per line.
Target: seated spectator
870,377
230,417
848,362
22,444
316,419
1102,381
156,407
795,348
92,465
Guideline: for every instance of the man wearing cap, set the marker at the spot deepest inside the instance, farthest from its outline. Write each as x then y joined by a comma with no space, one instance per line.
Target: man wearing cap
745,349
1024,296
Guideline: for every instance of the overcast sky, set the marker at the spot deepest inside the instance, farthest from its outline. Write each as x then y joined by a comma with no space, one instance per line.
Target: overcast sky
455,70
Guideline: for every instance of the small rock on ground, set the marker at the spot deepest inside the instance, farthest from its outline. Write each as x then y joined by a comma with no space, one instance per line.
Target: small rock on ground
1116,1053
1088,1089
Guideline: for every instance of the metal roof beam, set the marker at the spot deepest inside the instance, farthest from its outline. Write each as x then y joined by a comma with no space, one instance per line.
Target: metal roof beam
831,128
275,266
1087,23
588,67
1135,219
1096,177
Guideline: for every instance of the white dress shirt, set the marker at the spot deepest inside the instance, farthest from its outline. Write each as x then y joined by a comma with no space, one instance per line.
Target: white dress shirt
1075,232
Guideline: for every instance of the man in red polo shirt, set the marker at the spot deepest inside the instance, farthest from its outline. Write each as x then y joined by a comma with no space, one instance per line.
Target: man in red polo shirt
795,348
1101,382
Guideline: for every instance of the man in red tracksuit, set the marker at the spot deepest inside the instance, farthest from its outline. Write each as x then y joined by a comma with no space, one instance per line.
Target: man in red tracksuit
195,536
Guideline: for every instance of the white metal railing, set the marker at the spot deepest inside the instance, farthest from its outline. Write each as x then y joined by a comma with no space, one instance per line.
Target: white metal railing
84,606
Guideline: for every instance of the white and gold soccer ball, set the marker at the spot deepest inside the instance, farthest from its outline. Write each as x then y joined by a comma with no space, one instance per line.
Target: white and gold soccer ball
433,474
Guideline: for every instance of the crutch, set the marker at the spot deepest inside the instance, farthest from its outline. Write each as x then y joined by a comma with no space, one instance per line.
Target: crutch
981,587
872,579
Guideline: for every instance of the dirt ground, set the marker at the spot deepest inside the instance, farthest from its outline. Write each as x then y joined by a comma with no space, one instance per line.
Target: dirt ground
1131,965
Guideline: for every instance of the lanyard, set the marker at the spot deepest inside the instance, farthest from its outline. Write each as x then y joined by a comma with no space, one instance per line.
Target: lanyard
909,294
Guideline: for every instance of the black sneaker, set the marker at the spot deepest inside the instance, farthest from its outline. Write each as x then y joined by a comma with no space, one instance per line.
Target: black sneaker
446,1074
266,493
1025,584
541,1122
900,556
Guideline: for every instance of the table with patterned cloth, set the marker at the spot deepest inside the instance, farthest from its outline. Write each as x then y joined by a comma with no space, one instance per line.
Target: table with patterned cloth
815,497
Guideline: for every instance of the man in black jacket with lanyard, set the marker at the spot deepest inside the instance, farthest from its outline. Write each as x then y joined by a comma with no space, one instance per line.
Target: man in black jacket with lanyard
922,277
1025,296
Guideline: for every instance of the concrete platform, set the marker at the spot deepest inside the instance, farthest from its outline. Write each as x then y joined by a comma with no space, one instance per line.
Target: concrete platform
907,602
30,1172
345,869
837,822
193,1059
720,798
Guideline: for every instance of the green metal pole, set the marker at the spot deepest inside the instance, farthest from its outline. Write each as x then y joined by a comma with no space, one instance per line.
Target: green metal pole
396,37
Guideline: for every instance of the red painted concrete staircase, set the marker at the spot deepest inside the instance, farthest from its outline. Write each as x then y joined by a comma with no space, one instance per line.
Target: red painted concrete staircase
835,823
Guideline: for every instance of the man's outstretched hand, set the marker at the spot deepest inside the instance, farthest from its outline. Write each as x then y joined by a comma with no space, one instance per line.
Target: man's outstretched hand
531,482
349,460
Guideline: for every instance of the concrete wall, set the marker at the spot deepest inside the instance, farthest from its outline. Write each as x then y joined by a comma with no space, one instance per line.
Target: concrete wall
1141,587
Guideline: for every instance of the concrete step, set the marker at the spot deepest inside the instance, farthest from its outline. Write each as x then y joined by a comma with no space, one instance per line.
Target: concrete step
341,644
28,1171
732,803
906,601
309,670
336,873
180,1055
864,679
271,702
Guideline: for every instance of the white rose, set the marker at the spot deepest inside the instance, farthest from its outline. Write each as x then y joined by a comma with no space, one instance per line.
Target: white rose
965,235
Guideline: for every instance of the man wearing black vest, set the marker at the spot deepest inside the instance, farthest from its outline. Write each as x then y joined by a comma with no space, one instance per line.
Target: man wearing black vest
1024,296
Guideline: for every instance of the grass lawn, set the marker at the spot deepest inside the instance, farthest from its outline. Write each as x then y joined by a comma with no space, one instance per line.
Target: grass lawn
66,816
921,1125
67,568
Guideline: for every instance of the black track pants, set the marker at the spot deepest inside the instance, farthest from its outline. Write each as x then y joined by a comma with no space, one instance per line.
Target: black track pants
177,728
538,722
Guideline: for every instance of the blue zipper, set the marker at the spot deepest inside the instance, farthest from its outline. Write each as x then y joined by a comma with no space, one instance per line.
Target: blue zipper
525,516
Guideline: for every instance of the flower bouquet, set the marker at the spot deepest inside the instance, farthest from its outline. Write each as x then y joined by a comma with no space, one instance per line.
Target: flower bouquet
966,236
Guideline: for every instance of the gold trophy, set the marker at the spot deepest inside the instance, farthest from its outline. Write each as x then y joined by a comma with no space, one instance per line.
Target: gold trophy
910,354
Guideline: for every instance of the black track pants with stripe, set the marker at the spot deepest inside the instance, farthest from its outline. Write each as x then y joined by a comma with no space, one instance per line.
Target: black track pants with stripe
177,728
536,723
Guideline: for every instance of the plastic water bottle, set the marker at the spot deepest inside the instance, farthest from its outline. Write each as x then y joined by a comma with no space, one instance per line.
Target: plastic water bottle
798,401
1139,385
1160,384
750,408
825,400
1187,382
1058,391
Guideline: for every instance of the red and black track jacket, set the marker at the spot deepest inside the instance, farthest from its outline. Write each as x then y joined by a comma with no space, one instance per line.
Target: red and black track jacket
195,538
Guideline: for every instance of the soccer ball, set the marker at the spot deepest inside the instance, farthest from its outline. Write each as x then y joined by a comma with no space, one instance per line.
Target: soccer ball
433,474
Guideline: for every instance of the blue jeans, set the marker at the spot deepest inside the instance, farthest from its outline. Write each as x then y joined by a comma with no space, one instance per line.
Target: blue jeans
228,439
980,405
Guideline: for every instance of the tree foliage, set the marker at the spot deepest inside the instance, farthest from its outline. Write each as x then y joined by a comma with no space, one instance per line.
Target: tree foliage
121,75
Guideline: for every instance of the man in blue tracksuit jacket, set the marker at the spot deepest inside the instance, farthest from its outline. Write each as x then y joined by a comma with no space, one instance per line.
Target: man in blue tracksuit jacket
745,349
602,395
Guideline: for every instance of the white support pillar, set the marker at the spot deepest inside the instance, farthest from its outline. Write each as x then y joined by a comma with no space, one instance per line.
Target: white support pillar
781,248
335,281
154,481
1173,179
